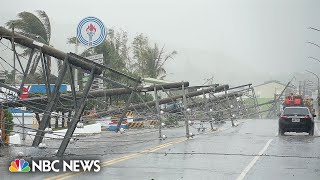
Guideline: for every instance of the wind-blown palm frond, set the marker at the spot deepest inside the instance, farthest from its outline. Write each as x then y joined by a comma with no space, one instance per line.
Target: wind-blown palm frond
30,25
46,22
169,56
34,27
150,59
72,40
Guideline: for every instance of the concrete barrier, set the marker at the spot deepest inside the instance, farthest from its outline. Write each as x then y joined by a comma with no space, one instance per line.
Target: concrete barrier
139,124
152,122
87,129
113,127
14,139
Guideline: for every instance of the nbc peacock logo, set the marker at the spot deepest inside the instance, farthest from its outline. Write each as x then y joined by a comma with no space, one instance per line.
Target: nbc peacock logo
19,165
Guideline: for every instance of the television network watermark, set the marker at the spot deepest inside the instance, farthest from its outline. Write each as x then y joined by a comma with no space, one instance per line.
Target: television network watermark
24,166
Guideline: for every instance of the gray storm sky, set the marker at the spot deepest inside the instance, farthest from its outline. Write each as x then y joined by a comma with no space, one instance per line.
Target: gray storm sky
236,41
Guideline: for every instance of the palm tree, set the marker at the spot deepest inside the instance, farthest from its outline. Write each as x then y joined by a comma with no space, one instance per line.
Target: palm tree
147,61
113,48
150,60
153,60
35,26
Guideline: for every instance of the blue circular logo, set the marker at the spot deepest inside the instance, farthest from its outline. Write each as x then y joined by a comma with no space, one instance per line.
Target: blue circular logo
91,31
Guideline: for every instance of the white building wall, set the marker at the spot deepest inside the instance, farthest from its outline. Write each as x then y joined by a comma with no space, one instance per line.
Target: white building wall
268,90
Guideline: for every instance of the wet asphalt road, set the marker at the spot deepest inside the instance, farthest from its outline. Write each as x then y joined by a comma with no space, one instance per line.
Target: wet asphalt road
228,153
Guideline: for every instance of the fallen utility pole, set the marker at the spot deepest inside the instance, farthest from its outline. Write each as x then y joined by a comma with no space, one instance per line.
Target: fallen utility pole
219,98
167,100
28,42
73,59
35,101
121,91
236,87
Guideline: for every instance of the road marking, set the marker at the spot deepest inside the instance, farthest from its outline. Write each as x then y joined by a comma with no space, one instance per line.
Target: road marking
254,160
122,158
140,154
127,157
220,129
167,145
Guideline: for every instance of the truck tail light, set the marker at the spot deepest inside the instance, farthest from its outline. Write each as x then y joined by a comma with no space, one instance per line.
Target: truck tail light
307,117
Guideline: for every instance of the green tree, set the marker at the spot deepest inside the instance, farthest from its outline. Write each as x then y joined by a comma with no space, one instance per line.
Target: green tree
150,60
9,77
8,119
115,53
113,49
35,26
137,59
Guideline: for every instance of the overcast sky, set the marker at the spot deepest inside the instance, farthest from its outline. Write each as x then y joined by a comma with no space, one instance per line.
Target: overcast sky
236,41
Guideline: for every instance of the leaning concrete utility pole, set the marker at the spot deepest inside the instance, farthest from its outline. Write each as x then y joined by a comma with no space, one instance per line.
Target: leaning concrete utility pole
3,134
318,87
124,111
230,107
185,109
126,107
158,110
23,128
14,57
77,116
76,81
50,106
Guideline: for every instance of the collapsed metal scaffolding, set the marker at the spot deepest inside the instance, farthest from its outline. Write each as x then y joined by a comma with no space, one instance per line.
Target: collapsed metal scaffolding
70,62
213,103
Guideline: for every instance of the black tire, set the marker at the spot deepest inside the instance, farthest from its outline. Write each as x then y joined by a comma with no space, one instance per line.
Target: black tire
311,132
281,132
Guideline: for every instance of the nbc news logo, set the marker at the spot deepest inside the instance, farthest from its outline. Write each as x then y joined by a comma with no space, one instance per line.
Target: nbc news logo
20,165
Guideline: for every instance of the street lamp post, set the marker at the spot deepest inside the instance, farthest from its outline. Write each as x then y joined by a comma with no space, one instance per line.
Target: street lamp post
310,57
312,43
318,89
318,100
316,29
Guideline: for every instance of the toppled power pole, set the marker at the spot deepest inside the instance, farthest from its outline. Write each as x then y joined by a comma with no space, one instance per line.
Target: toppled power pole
167,100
